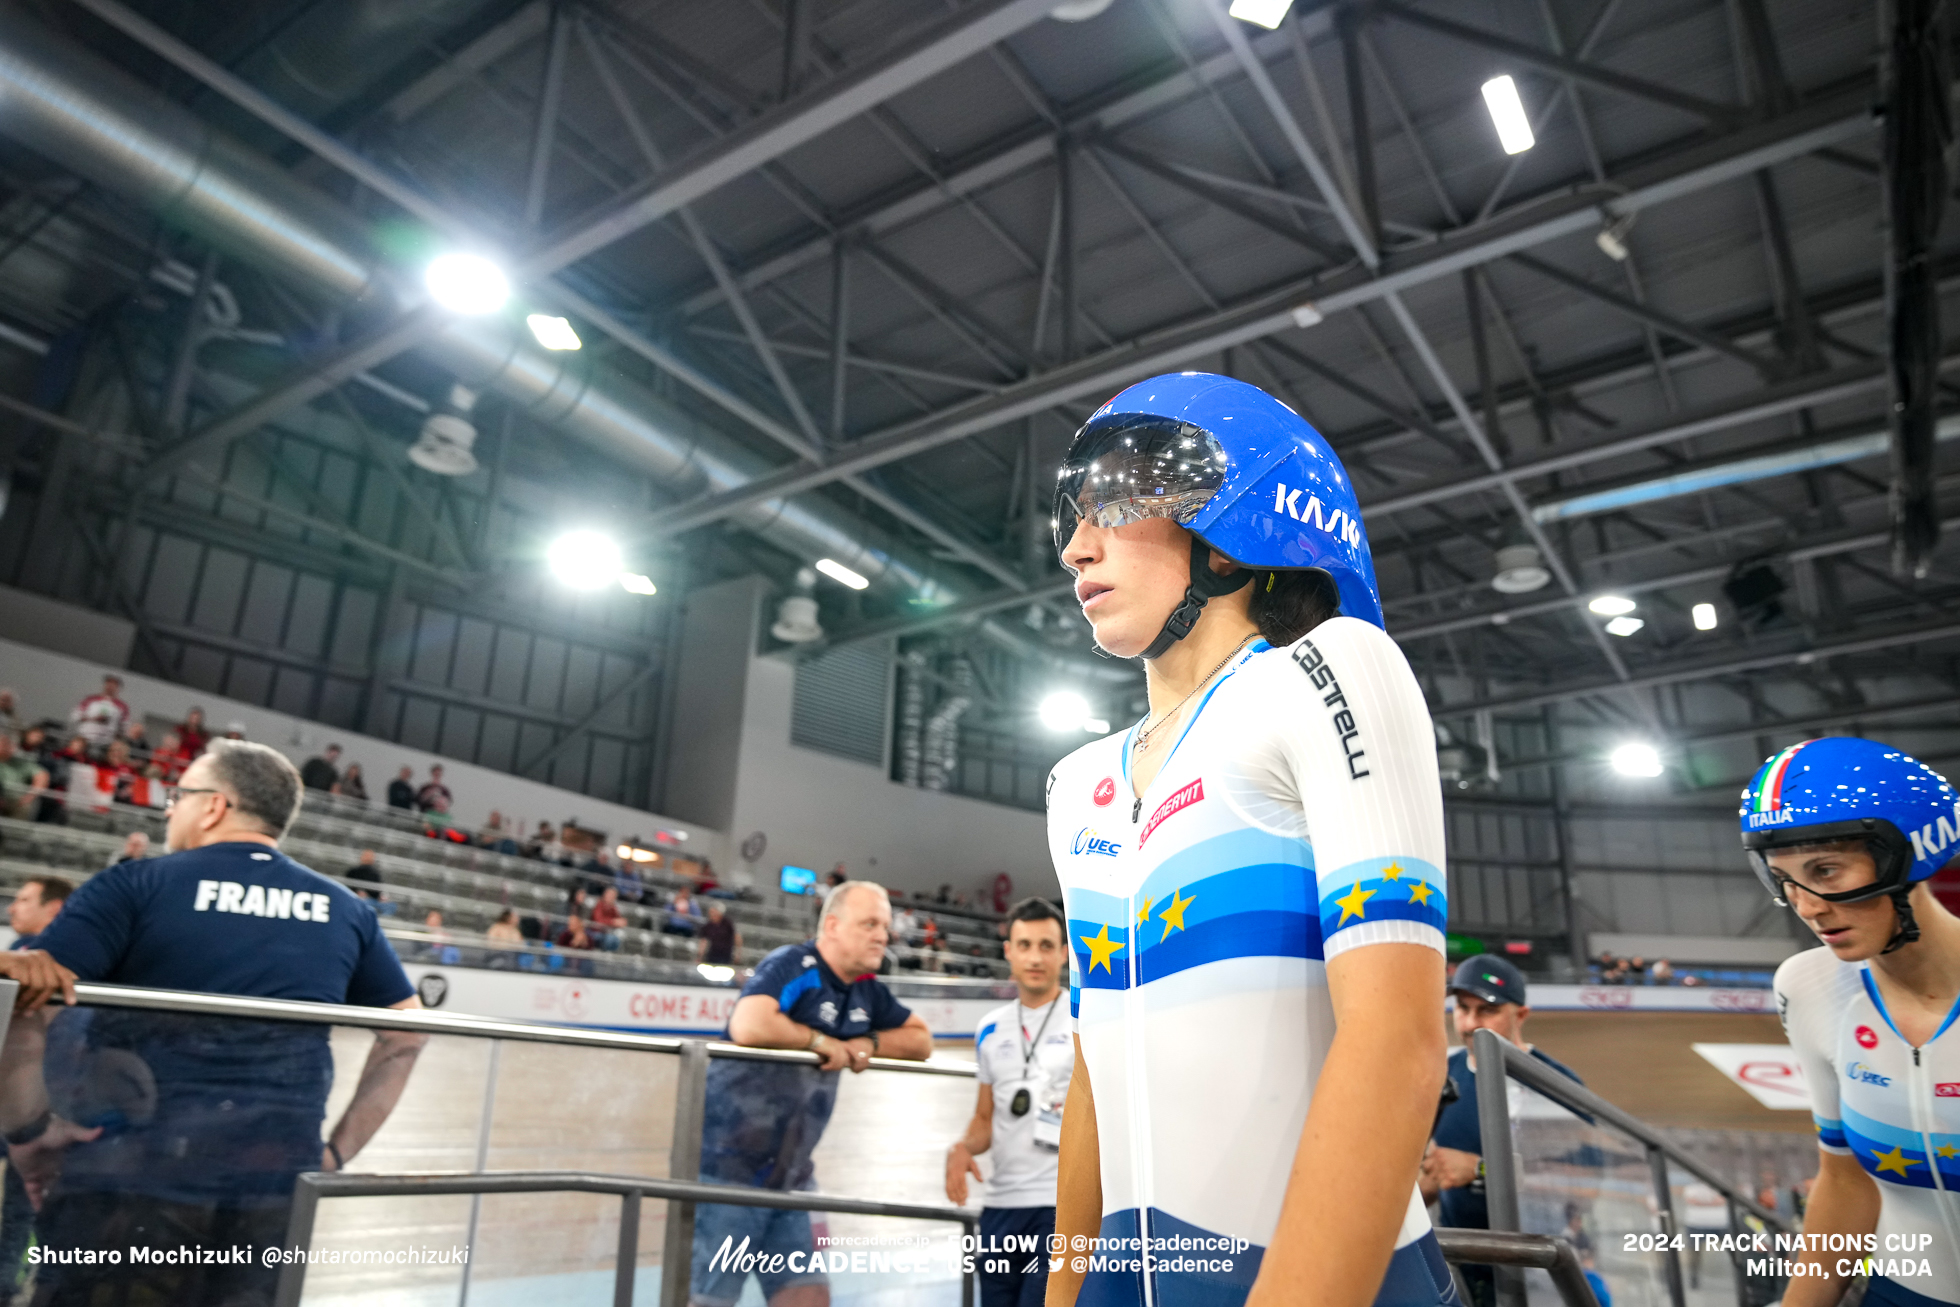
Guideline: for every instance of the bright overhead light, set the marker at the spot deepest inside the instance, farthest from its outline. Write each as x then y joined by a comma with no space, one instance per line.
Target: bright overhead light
584,560
1636,759
1064,711
836,571
467,283
635,584
719,975
553,333
1624,626
1096,726
1704,615
1266,13
1507,111
1612,605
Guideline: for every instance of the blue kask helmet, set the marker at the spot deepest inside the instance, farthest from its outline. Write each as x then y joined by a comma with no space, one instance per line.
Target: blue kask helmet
1838,788
1245,474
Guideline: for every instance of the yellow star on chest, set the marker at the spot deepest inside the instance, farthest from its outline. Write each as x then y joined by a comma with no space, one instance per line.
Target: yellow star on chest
1173,916
1419,892
1352,904
1947,1151
1101,948
1393,871
1143,913
1896,1160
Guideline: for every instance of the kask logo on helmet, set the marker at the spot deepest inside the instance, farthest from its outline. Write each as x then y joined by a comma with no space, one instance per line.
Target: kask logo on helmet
1338,524
1931,840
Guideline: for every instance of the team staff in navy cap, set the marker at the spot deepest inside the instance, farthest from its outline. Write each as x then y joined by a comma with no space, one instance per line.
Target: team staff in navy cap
165,1130
1490,995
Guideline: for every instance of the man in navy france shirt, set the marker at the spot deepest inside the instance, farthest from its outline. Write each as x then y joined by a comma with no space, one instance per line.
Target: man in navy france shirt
763,1119
176,1129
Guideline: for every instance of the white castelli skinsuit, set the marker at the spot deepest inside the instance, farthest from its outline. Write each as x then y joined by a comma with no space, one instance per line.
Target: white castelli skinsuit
1894,1107
1298,816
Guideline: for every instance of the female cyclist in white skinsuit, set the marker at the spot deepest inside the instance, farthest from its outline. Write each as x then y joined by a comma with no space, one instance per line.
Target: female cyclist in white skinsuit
1253,878
1847,832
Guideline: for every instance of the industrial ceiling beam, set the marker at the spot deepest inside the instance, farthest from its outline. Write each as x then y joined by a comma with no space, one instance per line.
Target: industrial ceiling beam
1827,121
1650,316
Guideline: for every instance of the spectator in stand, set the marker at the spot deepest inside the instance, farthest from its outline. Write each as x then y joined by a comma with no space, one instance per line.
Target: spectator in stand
322,773
504,929
931,937
683,918
401,790
435,796
193,733
608,920
136,847
234,730
905,928
117,771
573,935
100,717
1636,971
364,873
720,942
763,1119
352,786
440,946
491,833
945,895
432,923
9,714
22,780
1661,973
836,877
578,903
36,904
627,881
36,744
172,756
136,738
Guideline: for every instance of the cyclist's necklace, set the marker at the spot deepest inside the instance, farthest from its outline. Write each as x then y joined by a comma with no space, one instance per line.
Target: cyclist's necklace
1145,732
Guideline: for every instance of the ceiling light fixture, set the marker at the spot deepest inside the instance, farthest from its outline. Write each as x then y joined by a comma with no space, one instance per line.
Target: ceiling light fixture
1636,759
1267,13
553,333
1624,626
467,283
584,560
1705,618
1520,570
1507,112
1612,237
635,584
1096,726
1064,711
836,571
1611,605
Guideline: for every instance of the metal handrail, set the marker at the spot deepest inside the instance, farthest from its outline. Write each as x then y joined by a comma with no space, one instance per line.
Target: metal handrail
1498,1061
451,1023
1504,1248
315,1185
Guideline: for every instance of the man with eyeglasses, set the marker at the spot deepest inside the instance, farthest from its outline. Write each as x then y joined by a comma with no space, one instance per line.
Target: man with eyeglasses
160,1130
1848,833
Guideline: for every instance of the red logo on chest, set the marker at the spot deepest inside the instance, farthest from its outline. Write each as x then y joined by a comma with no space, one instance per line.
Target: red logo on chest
1946,1089
1184,798
1105,791
1866,1037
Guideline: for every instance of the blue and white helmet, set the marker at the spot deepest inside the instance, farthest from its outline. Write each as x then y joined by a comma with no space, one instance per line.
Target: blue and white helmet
1839,788
1243,472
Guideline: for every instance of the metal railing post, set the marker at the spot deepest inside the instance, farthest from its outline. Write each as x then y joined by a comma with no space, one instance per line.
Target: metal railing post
482,1161
1500,1157
299,1240
1738,1262
628,1263
1677,1289
684,1163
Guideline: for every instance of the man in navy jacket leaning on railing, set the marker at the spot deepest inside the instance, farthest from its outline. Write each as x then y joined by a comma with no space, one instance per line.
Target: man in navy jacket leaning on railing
164,1130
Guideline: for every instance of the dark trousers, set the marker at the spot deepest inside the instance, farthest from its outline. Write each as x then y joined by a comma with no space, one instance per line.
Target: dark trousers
125,1221
1020,1278
16,1232
1481,1281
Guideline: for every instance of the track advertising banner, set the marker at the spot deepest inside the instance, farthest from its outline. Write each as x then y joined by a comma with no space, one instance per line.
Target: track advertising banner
644,1008
1650,998
1769,1072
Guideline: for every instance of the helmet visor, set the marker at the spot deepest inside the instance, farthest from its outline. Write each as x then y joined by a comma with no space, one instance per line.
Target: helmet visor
1871,861
1131,467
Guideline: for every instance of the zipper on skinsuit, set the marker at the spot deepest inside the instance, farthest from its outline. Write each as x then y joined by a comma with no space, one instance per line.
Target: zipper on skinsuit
1923,1120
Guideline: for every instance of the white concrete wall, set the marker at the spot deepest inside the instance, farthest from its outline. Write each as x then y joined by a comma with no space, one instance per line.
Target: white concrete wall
49,684
819,810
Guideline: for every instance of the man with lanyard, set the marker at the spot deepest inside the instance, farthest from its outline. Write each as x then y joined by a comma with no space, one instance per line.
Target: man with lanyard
764,1119
1847,833
157,1130
1490,995
1026,1052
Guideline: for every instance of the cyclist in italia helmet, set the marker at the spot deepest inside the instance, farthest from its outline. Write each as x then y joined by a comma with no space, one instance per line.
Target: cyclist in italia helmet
1847,833
1253,877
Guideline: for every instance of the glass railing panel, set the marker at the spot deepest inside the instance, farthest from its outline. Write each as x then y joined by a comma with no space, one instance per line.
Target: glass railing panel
1592,1185
1708,1273
889,1133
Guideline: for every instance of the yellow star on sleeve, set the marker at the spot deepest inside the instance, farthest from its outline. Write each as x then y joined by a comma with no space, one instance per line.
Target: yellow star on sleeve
1143,913
1896,1160
1393,871
1101,949
1947,1151
1419,892
1173,916
1352,905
